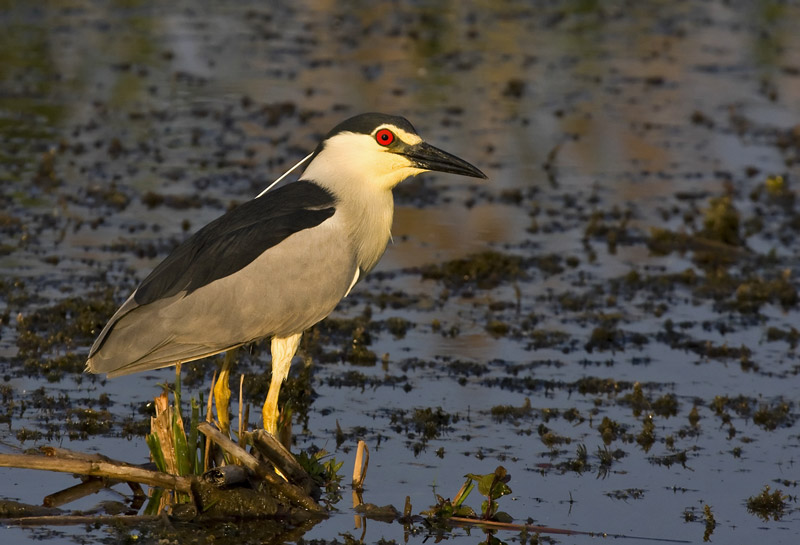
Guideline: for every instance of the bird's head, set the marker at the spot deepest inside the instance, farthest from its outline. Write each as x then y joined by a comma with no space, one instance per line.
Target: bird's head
378,151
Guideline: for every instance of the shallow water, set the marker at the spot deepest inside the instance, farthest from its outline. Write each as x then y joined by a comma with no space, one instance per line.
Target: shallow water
596,122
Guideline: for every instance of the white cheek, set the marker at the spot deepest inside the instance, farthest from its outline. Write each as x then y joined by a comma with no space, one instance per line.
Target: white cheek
396,168
356,162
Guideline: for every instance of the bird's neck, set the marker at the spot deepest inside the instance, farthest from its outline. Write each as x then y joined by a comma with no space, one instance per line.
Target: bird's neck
366,212
364,200
370,224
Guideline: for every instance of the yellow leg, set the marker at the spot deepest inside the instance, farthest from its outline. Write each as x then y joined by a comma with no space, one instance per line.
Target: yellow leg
222,393
283,350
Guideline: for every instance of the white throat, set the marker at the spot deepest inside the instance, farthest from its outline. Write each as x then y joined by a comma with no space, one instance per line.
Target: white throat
361,175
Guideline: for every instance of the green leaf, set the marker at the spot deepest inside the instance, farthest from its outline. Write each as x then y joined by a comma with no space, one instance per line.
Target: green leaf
155,501
500,489
464,492
177,391
192,440
502,516
464,511
155,451
485,484
493,486
181,448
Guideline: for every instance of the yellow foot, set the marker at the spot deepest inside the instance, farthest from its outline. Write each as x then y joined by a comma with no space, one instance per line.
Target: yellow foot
270,415
222,399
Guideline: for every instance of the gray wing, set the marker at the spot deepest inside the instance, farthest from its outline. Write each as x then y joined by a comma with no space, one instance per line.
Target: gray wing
225,285
234,240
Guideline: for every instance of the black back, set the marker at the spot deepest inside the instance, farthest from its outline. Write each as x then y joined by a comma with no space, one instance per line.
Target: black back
234,240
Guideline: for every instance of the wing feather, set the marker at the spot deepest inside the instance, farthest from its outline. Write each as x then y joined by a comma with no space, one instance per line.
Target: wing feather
234,240
221,248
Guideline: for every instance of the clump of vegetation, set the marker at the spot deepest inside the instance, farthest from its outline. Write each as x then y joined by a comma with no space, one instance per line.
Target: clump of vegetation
551,438
492,485
427,424
756,291
605,338
768,504
694,417
606,458
612,226
171,449
626,494
580,463
503,413
740,404
721,222
47,336
647,436
24,434
431,422
666,405
353,333
83,422
549,264
710,521
55,368
791,336
323,470
398,326
771,418
497,328
7,402
484,271
466,368
609,430
637,400
595,385
543,338
179,447
671,459
778,190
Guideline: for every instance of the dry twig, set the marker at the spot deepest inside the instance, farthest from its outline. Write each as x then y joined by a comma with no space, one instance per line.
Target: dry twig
281,458
97,469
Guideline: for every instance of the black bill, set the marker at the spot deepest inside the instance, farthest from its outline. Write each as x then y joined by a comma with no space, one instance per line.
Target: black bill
428,157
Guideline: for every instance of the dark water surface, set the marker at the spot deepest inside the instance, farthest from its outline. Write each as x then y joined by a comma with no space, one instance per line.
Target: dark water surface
641,210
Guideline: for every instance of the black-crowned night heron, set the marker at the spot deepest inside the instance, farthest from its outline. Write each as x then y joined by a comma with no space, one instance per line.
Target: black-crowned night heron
276,265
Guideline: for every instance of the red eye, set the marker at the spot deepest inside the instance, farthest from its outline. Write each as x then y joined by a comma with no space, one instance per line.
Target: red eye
384,137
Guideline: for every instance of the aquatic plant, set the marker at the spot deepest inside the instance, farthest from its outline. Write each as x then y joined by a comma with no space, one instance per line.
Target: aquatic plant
768,504
491,485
